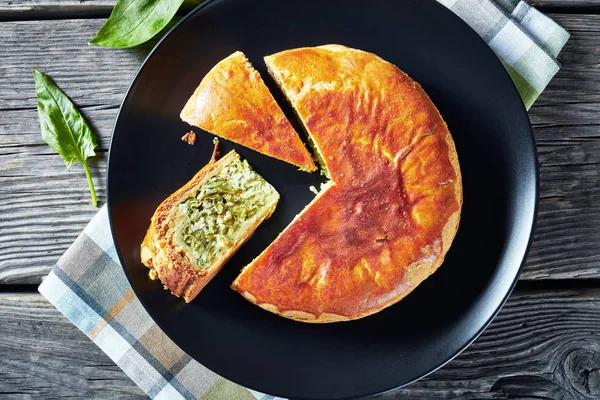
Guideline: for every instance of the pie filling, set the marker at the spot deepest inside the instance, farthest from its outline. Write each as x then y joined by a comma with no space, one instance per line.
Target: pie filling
213,218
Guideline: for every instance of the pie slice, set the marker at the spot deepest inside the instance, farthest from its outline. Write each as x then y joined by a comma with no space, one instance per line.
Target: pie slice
200,226
392,208
233,102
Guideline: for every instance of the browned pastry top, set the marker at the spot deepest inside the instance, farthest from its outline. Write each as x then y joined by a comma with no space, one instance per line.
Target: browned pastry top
392,211
233,102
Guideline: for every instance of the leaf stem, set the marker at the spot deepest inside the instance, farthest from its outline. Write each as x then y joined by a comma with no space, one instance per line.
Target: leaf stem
90,183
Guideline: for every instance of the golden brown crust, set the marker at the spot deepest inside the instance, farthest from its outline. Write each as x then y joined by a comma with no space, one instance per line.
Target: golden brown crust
233,102
388,220
172,265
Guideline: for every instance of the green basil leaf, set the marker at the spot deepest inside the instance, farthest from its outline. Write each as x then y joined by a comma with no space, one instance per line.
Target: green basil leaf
133,22
63,127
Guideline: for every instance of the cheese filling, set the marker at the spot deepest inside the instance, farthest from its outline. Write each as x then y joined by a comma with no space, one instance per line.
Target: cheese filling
214,217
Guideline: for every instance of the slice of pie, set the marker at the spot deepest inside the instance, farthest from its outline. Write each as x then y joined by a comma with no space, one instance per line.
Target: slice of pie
391,211
200,226
233,102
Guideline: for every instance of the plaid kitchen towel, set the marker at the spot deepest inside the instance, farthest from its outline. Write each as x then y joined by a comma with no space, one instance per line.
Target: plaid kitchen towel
89,286
526,41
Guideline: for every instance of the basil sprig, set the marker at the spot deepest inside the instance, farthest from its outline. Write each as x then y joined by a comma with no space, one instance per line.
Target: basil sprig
133,22
63,127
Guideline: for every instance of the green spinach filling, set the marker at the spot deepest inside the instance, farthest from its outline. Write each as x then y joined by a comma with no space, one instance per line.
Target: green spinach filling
220,208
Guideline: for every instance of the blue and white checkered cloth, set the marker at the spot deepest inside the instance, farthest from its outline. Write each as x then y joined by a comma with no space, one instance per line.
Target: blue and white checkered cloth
89,287
526,41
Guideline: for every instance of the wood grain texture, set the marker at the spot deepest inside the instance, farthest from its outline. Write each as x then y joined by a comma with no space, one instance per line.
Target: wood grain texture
568,6
15,8
57,9
11,10
566,122
44,207
91,76
44,356
83,4
542,346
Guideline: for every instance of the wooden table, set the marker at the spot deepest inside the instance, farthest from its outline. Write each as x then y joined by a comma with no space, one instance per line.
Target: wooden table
544,344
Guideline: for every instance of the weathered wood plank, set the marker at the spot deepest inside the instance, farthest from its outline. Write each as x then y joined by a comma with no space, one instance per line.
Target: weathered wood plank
566,120
576,85
569,213
38,223
39,9
56,3
582,6
44,356
44,207
81,8
11,10
542,345
91,76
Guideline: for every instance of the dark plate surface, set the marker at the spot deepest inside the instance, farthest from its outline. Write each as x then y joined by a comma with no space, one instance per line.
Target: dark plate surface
243,343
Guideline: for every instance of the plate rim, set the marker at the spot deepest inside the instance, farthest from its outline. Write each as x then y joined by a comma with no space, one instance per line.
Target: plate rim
534,212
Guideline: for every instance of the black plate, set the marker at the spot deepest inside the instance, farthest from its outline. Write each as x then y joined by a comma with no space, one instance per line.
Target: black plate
443,315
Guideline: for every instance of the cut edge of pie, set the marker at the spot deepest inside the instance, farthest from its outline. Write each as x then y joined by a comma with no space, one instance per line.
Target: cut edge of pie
313,145
233,102
165,250
414,273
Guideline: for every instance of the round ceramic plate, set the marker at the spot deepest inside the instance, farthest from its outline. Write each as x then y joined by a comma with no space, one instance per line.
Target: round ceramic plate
255,348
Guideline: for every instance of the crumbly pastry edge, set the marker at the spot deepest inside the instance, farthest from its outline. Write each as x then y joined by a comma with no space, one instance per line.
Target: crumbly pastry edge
179,278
